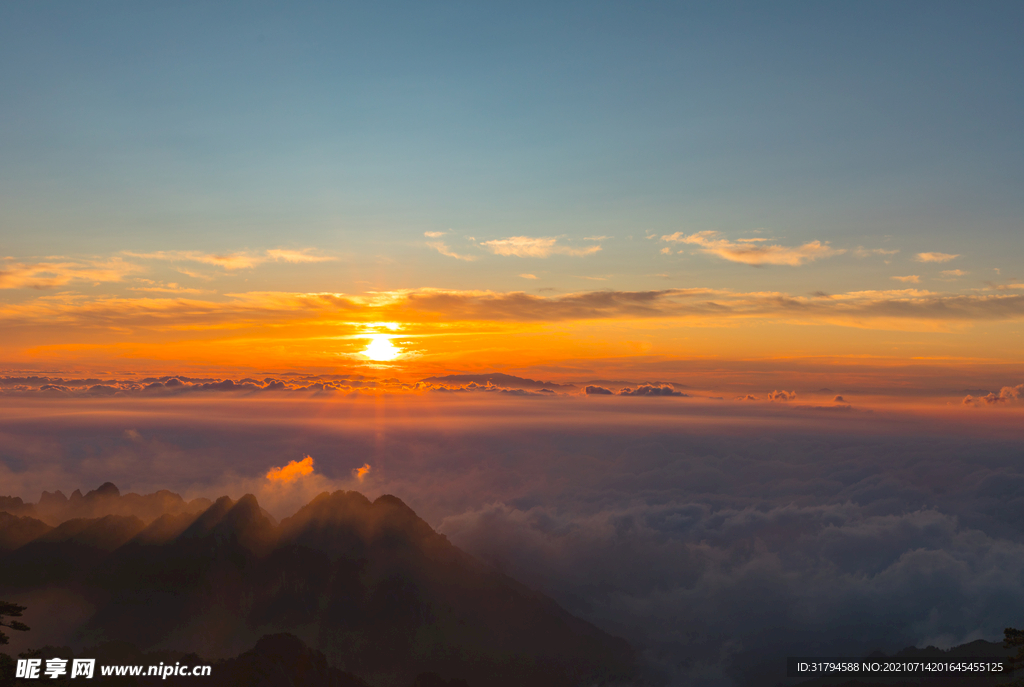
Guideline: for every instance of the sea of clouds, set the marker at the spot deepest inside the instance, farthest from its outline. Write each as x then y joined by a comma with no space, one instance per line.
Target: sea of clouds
717,537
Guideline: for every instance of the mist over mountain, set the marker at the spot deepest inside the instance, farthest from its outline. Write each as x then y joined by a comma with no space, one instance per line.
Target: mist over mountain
369,584
55,508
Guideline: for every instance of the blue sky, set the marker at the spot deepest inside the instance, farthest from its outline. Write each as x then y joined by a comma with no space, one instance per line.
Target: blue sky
126,122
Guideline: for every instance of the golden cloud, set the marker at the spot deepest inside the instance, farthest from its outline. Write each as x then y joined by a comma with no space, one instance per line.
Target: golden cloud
236,260
754,251
442,248
935,257
61,271
529,247
296,256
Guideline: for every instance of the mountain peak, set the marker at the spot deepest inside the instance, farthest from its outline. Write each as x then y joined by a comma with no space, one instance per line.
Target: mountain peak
239,521
105,489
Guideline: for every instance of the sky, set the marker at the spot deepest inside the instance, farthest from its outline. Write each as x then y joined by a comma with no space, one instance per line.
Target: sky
573,189
756,269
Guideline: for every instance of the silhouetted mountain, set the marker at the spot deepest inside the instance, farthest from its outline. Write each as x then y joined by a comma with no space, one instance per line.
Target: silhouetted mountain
369,584
17,531
281,660
435,680
978,647
54,508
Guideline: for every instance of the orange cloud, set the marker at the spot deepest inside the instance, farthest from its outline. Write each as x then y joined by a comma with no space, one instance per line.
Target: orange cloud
360,473
292,471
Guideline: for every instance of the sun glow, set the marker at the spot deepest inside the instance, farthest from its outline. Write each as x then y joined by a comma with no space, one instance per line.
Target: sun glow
381,349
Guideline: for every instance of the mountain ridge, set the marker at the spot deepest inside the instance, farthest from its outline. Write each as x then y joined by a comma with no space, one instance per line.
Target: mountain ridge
368,583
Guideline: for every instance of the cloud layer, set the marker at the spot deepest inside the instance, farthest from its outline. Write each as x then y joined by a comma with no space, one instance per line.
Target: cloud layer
859,308
716,537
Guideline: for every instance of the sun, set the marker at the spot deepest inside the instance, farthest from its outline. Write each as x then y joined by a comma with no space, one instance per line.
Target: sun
381,349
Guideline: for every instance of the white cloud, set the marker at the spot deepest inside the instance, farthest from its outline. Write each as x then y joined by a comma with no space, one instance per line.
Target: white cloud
434,234
754,251
528,276
954,273
911,278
